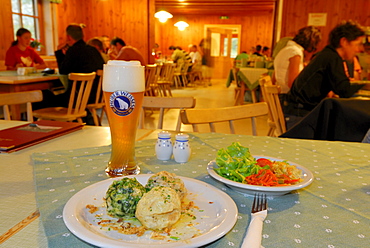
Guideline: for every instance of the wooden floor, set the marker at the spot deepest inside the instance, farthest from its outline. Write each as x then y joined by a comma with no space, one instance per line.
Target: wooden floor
216,95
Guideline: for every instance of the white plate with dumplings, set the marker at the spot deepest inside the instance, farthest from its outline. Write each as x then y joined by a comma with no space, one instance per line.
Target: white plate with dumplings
216,216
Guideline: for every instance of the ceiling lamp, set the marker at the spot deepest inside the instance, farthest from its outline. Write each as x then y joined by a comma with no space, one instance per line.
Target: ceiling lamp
163,16
181,25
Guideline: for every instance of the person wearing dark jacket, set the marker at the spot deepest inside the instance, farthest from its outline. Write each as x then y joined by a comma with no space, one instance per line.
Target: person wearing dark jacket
78,57
325,73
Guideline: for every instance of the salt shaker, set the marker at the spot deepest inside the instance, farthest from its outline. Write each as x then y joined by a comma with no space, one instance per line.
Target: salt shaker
181,149
163,147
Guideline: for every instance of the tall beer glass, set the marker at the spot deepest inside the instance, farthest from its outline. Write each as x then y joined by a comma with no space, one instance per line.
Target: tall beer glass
123,89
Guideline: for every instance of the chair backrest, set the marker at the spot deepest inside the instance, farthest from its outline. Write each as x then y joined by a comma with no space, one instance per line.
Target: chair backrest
265,80
166,103
99,91
26,97
211,116
277,116
167,72
80,91
150,75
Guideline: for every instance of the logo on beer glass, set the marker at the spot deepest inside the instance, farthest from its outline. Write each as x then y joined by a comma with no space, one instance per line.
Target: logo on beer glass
122,103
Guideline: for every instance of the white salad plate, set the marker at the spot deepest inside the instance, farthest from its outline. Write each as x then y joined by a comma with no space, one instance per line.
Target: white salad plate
218,215
306,176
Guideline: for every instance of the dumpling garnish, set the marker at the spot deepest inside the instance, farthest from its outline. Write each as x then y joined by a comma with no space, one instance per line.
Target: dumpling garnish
158,209
167,179
123,196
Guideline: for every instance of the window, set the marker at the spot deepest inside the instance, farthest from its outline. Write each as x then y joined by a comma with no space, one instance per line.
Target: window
25,13
234,47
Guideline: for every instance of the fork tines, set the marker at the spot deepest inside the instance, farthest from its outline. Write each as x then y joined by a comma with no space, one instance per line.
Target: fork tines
259,203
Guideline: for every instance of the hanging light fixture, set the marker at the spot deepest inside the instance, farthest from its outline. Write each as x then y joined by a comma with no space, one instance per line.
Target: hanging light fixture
163,16
181,25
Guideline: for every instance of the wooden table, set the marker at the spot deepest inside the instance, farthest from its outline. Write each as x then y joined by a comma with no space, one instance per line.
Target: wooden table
250,78
11,82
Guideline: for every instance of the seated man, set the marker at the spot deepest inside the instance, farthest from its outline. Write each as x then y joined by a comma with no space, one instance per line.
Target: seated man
125,52
325,73
78,57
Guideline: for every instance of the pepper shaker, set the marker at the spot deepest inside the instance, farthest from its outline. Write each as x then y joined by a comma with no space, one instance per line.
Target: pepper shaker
163,147
181,149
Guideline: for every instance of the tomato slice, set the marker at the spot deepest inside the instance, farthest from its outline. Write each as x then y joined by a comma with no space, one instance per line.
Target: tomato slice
263,162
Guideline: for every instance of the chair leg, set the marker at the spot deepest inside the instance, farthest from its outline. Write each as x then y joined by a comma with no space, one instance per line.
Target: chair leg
95,117
101,115
169,90
254,98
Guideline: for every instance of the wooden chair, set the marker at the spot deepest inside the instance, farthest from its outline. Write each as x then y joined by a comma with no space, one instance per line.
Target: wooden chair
25,97
80,92
264,81
177,74
99,101
211,116
150,80
166,103
165,80
272,97
184,73
195,75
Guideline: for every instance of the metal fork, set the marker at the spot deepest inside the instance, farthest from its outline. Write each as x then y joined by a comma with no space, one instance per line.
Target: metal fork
253,237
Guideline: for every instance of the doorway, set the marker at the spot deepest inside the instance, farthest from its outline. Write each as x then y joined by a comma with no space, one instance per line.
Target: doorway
224,45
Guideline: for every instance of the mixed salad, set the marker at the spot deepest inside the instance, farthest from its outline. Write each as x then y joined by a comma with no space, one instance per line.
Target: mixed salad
237,164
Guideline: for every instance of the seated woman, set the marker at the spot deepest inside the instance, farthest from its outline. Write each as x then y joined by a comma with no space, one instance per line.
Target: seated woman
20,54
289,62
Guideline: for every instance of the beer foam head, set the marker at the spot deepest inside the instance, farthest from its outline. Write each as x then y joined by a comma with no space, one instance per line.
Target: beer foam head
123,75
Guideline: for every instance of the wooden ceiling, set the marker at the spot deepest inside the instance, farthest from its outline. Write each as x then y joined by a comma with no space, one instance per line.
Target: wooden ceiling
215,7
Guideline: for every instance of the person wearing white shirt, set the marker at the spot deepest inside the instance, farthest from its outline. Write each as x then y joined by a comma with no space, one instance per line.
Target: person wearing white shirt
289,62
195,55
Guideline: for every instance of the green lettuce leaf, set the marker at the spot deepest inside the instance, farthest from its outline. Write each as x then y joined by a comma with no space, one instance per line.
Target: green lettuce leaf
235,162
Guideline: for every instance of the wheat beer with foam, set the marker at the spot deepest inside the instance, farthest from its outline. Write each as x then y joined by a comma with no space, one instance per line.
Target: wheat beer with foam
123,89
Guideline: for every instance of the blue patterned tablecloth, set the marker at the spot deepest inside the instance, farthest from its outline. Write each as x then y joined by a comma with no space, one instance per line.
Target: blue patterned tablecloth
332,212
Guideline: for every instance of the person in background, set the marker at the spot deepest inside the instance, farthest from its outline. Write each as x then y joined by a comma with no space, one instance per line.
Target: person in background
106,43
252,50
125,52
258,50
98,44
196,57
364,59
280,45
20,54
352,69
238,61
325,73
266,51
78,57
176,54
290,60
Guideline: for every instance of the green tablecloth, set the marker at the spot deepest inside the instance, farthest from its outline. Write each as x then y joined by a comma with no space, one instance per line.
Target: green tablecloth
332,212
250,81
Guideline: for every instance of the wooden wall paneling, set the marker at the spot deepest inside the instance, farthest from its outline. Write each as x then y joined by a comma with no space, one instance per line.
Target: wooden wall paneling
126,19
295,15
256,29
6,30
151,30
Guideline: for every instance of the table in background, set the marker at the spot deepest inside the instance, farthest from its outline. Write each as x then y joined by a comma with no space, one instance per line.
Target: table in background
11,82
331,212
250,77
334,119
